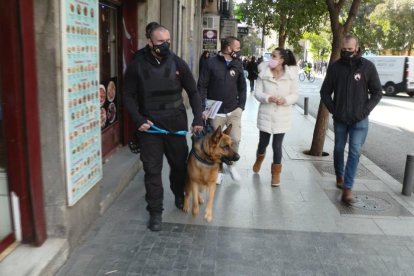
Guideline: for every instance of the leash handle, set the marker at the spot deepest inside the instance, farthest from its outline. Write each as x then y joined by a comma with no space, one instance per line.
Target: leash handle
155,129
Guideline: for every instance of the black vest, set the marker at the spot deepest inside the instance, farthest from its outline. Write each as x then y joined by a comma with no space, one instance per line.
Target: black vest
160,86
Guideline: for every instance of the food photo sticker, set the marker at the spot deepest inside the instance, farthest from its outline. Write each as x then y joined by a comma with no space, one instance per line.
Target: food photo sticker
111,91
103,117
111,114
102,94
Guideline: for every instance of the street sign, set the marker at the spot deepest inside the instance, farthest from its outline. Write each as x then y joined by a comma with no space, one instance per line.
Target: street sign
228,28
210,39
243,30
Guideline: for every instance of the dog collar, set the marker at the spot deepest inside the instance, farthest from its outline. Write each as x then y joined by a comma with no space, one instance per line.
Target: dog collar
198,157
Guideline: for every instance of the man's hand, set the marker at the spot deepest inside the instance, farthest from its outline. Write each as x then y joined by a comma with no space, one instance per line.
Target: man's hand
204,114
197,129
145,126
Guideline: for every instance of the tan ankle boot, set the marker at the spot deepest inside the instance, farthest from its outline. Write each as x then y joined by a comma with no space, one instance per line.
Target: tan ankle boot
276,170
258,163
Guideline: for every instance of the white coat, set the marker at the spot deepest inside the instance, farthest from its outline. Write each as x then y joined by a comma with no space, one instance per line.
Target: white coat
273,118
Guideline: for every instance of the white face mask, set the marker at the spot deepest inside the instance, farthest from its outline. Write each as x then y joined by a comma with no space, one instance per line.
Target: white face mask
273,63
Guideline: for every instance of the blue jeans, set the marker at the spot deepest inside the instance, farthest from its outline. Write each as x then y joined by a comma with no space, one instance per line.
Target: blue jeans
357,133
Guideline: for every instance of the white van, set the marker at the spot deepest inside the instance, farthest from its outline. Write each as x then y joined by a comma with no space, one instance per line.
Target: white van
396,73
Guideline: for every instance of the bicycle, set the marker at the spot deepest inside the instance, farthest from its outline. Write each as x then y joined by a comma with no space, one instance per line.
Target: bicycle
309,76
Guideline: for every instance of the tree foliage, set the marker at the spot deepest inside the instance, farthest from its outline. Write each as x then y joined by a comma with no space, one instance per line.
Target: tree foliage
250,43
370,34
320,44
290,18
395,20
341,23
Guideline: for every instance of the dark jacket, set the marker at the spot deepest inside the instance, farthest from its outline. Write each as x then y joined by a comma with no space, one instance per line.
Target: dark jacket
356,89
135,97
222,82
201,63
253,70
143,51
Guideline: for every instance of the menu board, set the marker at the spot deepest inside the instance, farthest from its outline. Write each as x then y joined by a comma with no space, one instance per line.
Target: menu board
80,49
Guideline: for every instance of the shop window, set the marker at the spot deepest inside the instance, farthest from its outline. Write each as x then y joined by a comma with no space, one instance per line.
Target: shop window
110,76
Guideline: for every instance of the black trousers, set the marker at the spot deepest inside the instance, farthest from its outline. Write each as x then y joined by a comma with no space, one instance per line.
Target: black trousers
153,148
251,84
264,139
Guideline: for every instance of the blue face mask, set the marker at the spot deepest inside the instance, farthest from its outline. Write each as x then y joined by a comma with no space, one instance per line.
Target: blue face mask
162,50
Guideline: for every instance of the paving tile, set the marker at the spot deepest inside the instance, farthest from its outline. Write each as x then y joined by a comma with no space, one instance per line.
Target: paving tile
256,230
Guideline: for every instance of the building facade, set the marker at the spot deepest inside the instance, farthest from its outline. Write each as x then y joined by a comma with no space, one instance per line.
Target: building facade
63,127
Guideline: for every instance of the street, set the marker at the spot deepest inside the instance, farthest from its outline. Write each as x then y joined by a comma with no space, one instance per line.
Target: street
391,134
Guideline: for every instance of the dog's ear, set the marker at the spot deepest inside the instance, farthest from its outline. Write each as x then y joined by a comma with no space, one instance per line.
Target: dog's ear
228,130
216,135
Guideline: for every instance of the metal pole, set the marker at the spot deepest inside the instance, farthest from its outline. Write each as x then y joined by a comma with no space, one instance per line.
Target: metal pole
408,183
306,105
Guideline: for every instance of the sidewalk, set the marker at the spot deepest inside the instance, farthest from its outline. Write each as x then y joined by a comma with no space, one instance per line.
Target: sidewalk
300,228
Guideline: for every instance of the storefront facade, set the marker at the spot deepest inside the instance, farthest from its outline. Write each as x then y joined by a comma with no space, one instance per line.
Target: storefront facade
61,113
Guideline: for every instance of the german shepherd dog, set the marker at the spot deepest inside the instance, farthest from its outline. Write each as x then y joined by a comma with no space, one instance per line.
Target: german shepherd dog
203,165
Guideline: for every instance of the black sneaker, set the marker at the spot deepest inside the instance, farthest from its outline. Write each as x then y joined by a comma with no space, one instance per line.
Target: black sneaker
155,222
179,202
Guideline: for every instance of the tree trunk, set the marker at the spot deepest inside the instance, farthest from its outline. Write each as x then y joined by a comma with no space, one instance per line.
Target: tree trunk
282,40
263,36
282,31
319,133
322,119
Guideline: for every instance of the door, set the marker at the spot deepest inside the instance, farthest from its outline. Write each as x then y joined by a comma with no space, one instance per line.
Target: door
6,222
110,76
20,162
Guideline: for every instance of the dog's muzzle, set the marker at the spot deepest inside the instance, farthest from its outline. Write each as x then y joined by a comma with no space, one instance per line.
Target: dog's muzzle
230,159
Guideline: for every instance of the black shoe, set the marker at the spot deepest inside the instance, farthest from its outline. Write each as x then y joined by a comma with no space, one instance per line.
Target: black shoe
179,202
155,222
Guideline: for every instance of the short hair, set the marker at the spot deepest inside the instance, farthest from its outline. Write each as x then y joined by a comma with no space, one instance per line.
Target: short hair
351,36
287,55
148,29
156,28
228,41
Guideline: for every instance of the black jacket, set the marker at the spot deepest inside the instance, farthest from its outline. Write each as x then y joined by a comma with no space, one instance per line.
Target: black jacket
222,82
356,89
253,70
171,119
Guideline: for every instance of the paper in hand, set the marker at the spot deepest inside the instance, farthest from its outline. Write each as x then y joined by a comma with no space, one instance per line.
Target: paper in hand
212,107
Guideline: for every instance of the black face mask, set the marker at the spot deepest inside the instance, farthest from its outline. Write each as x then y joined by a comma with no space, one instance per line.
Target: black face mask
162,50
235,55
346,55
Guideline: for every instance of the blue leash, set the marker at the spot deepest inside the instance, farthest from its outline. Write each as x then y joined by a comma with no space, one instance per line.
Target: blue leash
155,129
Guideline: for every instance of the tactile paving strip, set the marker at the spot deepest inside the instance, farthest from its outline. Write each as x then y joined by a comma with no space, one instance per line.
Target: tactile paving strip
328,169
369,203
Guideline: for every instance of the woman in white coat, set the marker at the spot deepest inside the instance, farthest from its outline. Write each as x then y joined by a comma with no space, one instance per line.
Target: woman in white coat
277,91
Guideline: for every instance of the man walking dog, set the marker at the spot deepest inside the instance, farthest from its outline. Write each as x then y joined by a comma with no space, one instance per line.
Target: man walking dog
153,85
